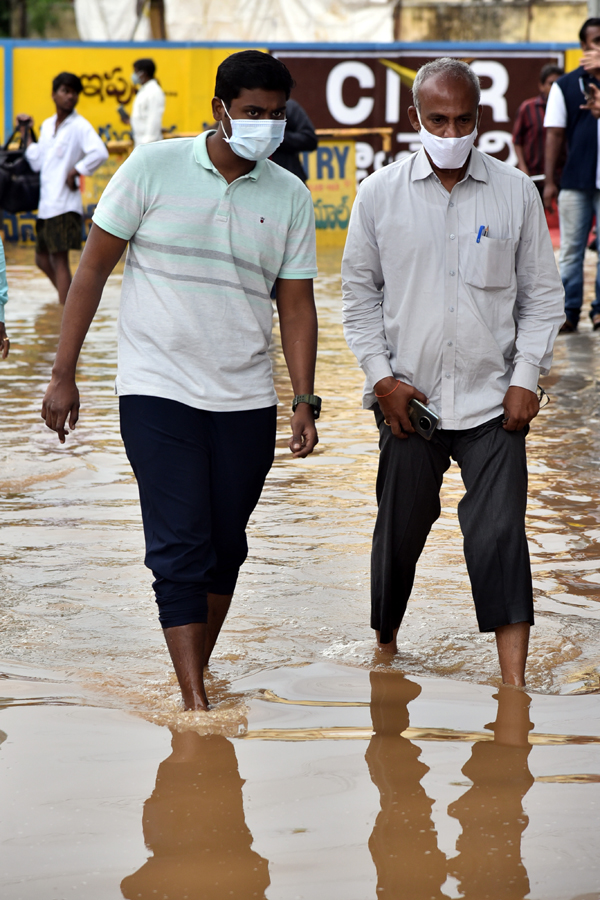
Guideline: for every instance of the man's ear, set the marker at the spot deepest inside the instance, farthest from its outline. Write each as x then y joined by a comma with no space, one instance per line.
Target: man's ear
218,109
413,118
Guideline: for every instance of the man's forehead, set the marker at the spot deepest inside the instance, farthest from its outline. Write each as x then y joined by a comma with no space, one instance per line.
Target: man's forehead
446,91
260,97
592,33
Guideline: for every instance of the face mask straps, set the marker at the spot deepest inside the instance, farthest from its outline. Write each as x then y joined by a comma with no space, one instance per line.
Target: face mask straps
254,139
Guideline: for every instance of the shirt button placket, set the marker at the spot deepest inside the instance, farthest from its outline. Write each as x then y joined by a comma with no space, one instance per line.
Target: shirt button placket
450,312
225,206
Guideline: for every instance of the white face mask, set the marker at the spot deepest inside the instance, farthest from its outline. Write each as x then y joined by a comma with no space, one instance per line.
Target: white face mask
254,139
447,153
135,78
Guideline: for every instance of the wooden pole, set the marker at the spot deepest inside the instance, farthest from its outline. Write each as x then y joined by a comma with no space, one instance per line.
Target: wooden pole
157,20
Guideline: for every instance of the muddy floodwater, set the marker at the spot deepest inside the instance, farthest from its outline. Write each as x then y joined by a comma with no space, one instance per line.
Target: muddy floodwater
322,772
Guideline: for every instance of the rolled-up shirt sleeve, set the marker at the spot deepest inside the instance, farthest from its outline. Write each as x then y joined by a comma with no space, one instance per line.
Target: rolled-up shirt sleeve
540,296
362,286
94,150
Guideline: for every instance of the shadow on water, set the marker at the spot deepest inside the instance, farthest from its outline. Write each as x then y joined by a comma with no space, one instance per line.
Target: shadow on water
195,827
404,841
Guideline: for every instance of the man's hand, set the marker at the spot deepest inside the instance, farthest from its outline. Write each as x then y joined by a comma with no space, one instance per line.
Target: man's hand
304,437
590,60
550,195
61,401
593,101
71,183
4,341
395,406
520,407
24,121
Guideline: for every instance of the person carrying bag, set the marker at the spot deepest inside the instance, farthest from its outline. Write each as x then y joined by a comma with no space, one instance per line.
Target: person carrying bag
19,184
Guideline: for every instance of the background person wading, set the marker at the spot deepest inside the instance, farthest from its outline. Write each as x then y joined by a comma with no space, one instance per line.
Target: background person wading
68,147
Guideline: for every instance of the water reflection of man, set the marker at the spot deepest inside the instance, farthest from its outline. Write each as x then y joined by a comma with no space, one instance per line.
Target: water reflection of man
489,864
404,841
452,293
195,828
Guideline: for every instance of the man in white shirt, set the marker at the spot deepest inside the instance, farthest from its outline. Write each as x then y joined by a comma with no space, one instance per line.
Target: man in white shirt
452,297
148,105
68,147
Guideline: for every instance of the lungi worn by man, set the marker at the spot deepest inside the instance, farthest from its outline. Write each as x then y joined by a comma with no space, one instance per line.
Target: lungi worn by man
452,297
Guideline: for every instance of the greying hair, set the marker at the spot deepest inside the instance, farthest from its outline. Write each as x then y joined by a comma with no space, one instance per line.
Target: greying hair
445,65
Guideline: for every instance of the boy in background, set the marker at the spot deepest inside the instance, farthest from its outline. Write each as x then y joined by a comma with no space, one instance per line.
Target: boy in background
68,147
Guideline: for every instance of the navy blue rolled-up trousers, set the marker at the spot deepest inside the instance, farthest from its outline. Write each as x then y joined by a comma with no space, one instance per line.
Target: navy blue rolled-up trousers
200,475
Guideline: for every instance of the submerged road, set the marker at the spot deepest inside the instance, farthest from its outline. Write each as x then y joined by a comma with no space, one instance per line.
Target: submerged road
320,773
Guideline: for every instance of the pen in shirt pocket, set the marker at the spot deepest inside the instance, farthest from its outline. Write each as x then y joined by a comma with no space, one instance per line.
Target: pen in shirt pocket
484,230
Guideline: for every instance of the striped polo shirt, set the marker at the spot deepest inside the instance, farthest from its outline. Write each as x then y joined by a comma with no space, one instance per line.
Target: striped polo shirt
196,316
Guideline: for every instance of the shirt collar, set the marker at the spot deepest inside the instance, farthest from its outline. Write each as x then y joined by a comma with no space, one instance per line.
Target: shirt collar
476,168
201,156
68,121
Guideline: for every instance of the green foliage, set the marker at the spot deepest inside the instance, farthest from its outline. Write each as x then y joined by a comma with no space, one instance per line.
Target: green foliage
5,18
42,13
39,15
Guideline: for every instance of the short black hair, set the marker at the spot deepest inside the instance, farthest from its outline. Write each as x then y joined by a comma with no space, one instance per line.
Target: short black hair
549,70
589,23
69,80
251,69
145,65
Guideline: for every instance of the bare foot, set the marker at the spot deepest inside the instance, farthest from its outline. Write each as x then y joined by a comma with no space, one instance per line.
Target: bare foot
186,646
392,647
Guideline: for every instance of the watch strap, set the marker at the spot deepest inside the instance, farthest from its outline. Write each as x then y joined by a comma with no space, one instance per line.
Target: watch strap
311,399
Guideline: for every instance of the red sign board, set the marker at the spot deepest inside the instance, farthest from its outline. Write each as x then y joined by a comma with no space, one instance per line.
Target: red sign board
371,89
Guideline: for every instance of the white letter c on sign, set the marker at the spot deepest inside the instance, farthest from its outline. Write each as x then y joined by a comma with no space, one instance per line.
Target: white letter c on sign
349,115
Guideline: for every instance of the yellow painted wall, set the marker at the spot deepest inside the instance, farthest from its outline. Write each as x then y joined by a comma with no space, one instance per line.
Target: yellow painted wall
572,58
187,76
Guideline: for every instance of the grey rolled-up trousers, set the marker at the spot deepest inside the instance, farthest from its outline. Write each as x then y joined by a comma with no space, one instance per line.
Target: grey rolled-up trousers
493,466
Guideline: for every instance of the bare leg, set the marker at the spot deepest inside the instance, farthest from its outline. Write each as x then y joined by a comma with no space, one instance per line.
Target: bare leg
218,607
186,646
44,262
62,274
512,642
392,647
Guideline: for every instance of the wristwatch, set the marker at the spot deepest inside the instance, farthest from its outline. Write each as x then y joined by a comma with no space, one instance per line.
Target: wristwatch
311,399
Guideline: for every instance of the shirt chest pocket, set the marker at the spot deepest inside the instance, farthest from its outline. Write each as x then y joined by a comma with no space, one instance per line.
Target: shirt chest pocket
60,148
490,264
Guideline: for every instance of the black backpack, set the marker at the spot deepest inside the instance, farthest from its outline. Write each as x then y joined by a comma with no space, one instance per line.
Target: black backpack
19,184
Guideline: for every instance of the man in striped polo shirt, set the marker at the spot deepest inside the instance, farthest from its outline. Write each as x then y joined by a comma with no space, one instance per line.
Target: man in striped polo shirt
213,225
